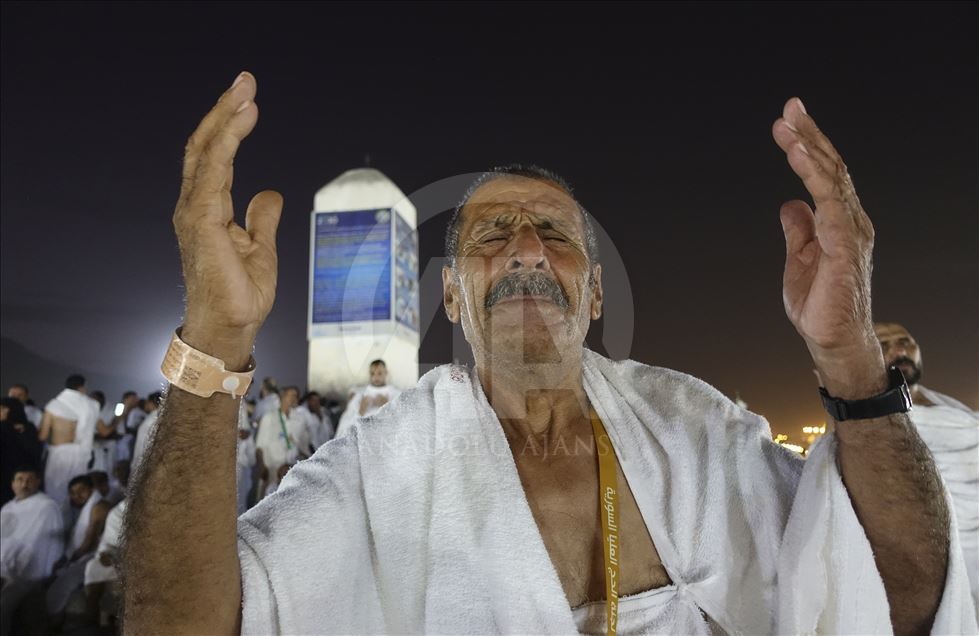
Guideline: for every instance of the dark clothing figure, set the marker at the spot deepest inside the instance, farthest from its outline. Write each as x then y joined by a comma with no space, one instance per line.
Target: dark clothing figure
19,445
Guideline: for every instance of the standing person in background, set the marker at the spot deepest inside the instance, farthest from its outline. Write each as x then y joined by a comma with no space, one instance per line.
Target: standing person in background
104,446
246,459
124,446
148,426
268,399
20,392
68,427
318,421
19,445
120,473
951,431
369,399
134,419
282,438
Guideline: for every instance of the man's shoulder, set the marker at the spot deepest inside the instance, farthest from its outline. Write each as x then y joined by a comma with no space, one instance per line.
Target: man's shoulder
940,399
668,389
39,501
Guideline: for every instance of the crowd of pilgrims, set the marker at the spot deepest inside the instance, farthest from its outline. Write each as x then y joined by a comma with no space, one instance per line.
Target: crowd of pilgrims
66,468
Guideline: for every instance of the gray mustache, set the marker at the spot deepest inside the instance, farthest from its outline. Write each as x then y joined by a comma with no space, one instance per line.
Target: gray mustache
531,284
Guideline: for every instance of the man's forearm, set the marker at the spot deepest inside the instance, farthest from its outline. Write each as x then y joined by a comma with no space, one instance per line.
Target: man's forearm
180,560
898,497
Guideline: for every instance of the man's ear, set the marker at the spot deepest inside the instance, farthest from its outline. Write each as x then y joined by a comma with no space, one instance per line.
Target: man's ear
596,293
450,294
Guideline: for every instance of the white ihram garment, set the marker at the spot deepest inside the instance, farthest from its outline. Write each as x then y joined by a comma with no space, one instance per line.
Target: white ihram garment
281,447
318,425
352,412
144,435
270,402
245,460
32,538
34,415
419,516
951,431
95,572
72,576
66,461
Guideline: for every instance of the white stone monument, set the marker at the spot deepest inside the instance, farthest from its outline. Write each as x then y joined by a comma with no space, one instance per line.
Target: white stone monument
363,283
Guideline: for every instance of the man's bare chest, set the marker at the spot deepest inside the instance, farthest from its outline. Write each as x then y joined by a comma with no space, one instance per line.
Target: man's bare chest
563,497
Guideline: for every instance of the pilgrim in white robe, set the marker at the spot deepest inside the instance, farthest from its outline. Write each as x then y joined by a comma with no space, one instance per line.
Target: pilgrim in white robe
419,516
319,426
267,404
245,461
143,437
31,542
104,450
127,429
67,461
951,431
71,577
370,393
34,415
31,538
95,572
282,439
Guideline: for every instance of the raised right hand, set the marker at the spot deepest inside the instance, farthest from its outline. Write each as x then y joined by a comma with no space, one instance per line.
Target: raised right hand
229,271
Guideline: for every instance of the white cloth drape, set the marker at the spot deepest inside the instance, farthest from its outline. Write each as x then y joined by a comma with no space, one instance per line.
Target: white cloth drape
419,515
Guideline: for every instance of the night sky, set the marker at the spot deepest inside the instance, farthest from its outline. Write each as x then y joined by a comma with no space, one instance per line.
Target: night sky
659,115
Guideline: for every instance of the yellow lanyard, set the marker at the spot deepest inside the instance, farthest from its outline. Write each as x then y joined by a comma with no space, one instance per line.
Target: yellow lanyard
609,513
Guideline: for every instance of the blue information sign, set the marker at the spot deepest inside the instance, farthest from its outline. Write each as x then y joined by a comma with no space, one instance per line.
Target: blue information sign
405,274
352,266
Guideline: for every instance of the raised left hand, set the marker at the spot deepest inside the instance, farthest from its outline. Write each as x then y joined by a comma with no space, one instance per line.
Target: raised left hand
826,284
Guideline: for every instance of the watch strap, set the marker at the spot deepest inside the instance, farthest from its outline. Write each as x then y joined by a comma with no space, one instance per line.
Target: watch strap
896,399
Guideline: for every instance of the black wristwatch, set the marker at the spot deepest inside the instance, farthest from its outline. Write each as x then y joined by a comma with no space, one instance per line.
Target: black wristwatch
896,399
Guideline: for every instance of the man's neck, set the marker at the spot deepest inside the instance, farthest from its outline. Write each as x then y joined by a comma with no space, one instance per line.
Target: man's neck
25,497
542,402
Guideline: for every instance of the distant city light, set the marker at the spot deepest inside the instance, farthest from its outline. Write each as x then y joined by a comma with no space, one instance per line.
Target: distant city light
795,448
814,430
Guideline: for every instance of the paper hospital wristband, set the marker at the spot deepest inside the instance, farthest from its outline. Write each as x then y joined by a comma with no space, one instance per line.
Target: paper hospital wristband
196,372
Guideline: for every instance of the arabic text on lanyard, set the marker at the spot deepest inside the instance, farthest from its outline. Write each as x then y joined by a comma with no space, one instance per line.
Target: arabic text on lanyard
609,512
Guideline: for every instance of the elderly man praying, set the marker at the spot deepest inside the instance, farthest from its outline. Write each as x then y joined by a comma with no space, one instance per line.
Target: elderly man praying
671,512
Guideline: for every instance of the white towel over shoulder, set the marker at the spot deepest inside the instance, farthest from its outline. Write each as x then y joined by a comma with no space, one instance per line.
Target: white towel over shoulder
417,522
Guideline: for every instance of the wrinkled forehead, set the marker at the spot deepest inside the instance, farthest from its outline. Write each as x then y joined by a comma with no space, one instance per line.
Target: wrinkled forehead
888,331
508,200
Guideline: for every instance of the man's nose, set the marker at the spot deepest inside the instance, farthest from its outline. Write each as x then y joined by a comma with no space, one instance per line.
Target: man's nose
527,251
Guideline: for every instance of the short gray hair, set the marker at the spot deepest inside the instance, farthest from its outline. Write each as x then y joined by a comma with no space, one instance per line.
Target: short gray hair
517,170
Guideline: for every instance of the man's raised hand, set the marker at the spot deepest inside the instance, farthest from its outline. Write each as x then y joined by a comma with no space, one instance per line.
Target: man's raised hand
229,271
826,284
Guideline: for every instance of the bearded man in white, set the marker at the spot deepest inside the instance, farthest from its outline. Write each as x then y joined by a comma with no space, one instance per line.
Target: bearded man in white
433,515
951,431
